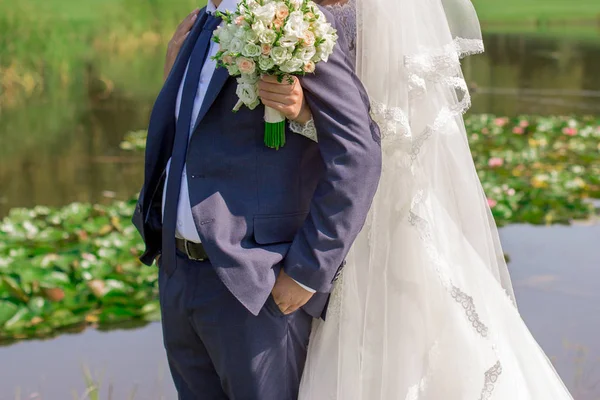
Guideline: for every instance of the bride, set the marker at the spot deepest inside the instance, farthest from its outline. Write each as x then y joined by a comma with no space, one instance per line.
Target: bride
424,309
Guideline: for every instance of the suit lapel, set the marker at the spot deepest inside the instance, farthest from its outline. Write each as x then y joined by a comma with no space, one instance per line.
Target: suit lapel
217,82
176,75
161,130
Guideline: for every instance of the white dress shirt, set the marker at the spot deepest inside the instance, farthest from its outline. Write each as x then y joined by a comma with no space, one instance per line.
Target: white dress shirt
186,228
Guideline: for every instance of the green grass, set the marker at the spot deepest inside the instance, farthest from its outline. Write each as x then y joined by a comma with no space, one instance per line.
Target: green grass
537,11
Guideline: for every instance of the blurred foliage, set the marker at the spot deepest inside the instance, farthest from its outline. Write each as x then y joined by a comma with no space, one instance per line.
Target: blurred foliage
49,45
538,11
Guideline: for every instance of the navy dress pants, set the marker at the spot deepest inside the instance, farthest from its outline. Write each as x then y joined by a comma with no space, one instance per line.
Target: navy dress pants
217,349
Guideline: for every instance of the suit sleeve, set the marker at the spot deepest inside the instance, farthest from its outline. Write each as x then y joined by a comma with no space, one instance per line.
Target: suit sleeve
349,144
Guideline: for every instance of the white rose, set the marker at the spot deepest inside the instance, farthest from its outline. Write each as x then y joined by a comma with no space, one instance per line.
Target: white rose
247,93
265,63
293,65
306,54
251,50
236,45
296,3
252,4
280,55
224,35
259,27
288,40
251,36
240,33
248,78
267,37
296,25
265,13
233,69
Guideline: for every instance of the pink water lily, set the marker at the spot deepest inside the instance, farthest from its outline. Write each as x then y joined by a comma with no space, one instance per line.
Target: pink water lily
570,131
518,130
500,122
495,162
492,203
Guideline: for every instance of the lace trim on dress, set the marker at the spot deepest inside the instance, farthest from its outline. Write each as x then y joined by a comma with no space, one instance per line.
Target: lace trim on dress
393,122
467,302
441,66
491,377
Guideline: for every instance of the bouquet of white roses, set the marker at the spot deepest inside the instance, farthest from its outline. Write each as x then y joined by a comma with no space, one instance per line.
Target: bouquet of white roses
273,37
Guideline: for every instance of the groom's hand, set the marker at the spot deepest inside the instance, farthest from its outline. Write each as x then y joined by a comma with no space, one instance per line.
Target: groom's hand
288,295
286,97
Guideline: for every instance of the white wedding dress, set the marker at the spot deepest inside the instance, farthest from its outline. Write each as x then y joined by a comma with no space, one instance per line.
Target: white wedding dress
424,309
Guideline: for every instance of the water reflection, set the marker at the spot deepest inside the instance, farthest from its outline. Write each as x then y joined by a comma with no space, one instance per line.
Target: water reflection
555,272
521,74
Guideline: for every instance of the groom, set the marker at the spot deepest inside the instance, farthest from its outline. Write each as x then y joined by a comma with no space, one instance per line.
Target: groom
245,235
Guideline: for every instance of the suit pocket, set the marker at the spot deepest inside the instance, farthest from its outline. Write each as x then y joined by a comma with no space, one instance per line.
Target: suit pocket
277,228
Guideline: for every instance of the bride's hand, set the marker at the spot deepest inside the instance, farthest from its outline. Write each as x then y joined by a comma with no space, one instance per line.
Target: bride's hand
285,97
177,40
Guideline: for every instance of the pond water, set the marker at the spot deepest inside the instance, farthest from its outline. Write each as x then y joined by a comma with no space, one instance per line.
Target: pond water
555,272
55,150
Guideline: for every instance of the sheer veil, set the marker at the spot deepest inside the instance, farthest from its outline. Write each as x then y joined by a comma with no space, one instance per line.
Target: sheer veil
425,308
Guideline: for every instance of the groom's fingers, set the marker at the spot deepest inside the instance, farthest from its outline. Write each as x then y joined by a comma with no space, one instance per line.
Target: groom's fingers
277,98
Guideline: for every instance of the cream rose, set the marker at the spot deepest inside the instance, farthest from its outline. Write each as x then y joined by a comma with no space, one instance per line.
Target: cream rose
246,65
282,11
309,67
265,49
227,59
308,39
277,23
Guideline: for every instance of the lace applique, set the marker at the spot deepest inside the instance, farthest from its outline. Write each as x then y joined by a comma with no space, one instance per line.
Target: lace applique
442,267
467,303
335,301
345,15
392,121
307,130
429,67
491,377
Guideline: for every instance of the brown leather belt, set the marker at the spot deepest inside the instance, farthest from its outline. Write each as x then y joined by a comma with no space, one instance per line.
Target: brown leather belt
194,251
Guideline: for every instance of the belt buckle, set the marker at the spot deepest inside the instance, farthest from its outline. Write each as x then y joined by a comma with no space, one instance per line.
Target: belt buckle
189,255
